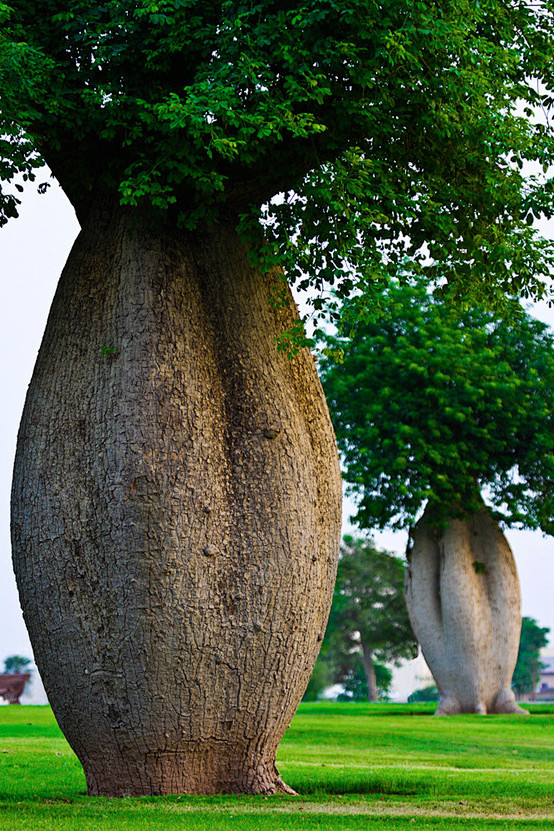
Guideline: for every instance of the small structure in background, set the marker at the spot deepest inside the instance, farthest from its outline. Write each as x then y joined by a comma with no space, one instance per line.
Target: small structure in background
545,687
17,673
12,686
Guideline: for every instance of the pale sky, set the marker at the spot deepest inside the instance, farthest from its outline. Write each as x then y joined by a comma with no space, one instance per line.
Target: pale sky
33,250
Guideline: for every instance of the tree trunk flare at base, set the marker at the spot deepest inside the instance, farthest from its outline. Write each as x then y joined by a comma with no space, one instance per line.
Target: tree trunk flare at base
175,512
462,592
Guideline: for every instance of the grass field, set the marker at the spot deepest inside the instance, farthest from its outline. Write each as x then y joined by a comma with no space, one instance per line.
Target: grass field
355,765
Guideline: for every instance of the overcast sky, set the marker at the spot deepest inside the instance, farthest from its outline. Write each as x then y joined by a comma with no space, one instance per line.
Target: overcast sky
33,250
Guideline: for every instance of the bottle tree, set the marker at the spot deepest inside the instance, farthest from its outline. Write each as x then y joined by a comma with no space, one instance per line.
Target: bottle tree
433,406
176,497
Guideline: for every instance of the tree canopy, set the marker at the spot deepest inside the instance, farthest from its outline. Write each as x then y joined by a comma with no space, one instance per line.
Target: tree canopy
389,129
433,403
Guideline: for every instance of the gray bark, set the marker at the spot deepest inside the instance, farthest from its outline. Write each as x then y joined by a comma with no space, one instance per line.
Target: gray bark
175,512
466,618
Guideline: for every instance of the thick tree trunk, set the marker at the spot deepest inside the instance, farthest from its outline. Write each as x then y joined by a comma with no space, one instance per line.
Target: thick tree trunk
369,672
176,512
463,598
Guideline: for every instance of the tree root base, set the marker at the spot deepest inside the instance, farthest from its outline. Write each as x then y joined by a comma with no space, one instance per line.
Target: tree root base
176,773
504,703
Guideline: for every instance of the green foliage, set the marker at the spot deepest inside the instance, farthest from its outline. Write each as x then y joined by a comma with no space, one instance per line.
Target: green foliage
17,664
368,620
433,402
528,666
322,678
424,694
368,602
355,682
387,129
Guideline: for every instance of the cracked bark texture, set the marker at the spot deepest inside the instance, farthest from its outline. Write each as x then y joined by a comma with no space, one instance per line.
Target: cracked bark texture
466,617
175,512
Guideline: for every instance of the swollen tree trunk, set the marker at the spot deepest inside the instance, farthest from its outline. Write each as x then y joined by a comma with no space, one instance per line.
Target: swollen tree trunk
369,672
463,598
176,512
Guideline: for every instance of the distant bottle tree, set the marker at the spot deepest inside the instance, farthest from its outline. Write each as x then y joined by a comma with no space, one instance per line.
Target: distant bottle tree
528,665
432,404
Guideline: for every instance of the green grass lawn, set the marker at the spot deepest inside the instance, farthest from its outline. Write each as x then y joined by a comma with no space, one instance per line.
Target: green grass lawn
355,766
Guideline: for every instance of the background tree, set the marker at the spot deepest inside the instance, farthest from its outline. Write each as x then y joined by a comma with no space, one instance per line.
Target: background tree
433,404
354,680
17,664
176,490
369,621
321,679
528,665
337,665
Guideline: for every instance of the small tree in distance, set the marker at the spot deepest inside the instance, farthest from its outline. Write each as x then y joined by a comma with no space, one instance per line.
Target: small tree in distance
17,664
354,680
528,665
369,621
